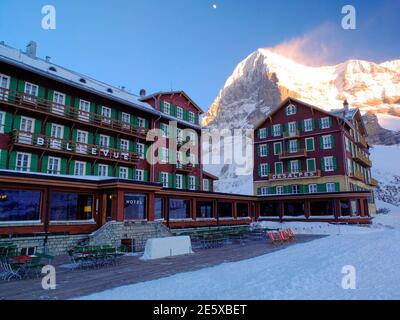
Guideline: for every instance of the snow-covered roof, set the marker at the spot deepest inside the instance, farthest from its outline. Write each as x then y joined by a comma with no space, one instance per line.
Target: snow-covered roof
145,98
345,114
48,69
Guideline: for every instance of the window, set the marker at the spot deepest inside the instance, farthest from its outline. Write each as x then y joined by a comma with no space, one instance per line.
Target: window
192,183
290,110
311,167
293,144
264,191
19,205
158,209
349,166
103,170
178,181
53,165
23,162
139,175
295,189
279,189
31,91
308,125
141,122
263,150
2,120
224,209
179,209
70,206
292,129
179,112
330,187
104,141
262,133
165,155
294,166
84,110
325,123
327,142
204,209
135,206
106,114
348,147
57,132
310,146
82,140
26,127
167,107
126,120
140,150
124,145
123,172
4,84
328,164
264,170
206,185
79,168
276,130
164,179
277,148
59,103
191,117
312,188
278,168
165,130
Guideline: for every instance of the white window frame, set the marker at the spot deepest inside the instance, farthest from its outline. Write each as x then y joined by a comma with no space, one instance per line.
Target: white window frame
179,112
192,183
139,175
59,107
308,125
106,114
81,146
103,170
276,143
164,179
124,145
2,120
31,96
78,165
263,150
294,166
84,110
164,155
292,128
141,122
263,133
330,187
126,120
104,138
275,166
325,123
165,130
327,142
264,191
180,180
312,188
191,117
140,150
313,143
291,110
291,149
206,185
279,190
264,169
50,163
29,159
276,130
27,136
295,189
3,76
328,165
123,173
315,164
167,107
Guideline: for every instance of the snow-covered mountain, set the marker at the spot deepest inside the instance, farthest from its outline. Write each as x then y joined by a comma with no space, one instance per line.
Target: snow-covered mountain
264,79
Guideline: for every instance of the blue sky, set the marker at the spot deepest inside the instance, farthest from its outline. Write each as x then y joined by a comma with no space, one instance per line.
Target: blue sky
189,45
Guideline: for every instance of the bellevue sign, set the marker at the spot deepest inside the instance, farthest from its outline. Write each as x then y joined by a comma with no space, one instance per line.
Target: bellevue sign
294,175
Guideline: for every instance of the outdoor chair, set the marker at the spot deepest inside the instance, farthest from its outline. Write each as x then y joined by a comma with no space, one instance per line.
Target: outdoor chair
290,233
7,271
273,238
33,266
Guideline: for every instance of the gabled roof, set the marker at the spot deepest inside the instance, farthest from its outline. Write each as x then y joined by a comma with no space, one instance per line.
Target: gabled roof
290,100
183,93
209,175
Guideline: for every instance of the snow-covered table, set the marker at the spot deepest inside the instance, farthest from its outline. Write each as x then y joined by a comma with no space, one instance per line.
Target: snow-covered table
157,248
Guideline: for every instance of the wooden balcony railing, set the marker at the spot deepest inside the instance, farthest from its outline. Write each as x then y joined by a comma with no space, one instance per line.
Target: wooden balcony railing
292,175
183,167
63,112
362,142
373,182
291,134
55,145
363,160
358,175
297,154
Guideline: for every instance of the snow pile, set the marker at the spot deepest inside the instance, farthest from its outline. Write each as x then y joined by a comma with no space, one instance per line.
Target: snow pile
157,248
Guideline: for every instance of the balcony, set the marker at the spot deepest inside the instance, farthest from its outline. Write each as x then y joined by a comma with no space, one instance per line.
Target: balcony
357,175
179,167
362,142
297,175
41,106
363,160
27,140
373,182
292,155
291,134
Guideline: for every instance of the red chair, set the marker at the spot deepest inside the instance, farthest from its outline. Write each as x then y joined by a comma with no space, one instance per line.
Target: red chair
283,236
273,239
290,233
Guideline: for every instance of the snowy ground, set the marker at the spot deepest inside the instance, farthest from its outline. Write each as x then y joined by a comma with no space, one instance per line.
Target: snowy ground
310,270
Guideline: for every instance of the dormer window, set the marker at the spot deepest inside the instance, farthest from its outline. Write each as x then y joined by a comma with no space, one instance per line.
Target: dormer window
167,107
291,110
191,117
82,80
109,90
179,112
53,69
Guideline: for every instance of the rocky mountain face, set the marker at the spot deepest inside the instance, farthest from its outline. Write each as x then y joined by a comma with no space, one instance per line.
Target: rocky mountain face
264,79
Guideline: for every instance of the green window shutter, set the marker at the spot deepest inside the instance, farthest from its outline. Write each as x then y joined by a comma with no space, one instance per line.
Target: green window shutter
174,110
313,124
13,87
50,95
41,93
34,162
303,125
13,160
266,132
287,189
170,182
63,166
68,105
146,148
259,170
321,187
45,163
320,123
146,175
88,168
333,141
184,182
48,129
110,171
72,167
162,105
322,164
17,122
159,177
309,144
7,122
337,187
185,115
112,142
279,168
196,181
286,127
289,169
321,143
268,168
300,166
310,165
258,150
3,159
258,191
113,114
67,131
21,86
334,164
330,122
298,144
146,124
258,133
74,134
92,108
38,126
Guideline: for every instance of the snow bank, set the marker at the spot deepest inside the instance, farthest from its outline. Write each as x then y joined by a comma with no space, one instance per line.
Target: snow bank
157,248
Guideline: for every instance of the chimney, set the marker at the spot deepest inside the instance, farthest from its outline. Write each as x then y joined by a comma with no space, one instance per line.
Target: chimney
31,49
142,93
345,106
48,59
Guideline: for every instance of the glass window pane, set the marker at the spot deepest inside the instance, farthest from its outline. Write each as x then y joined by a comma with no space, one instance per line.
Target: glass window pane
70,206
135,206
19,205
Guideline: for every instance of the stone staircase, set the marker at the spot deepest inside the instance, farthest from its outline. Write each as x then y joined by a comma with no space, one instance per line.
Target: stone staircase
136,233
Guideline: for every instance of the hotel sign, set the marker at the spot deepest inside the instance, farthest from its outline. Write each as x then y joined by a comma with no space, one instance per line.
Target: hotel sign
297,175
